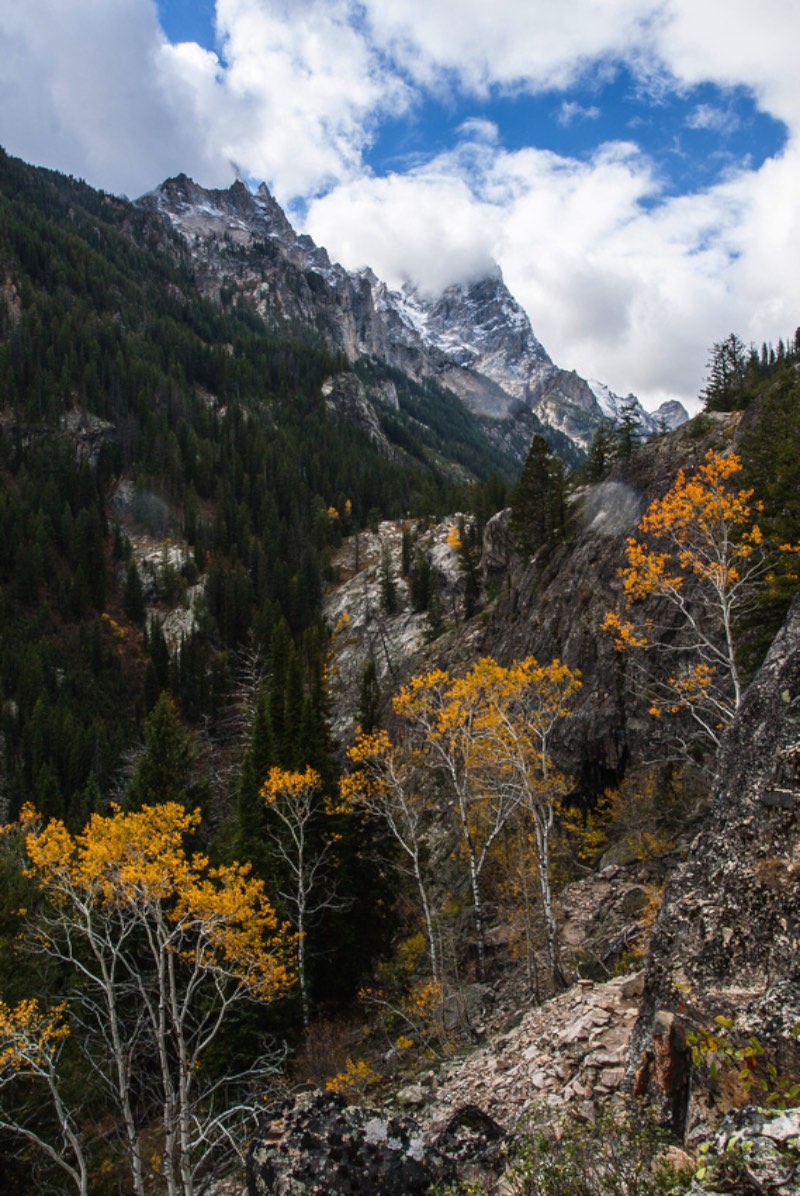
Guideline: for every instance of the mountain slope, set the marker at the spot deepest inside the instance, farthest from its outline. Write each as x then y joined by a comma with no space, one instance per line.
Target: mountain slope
166,455
474,338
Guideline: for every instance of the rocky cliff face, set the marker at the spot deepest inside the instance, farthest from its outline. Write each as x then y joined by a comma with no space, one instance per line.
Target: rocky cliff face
554,604
727,941
474,338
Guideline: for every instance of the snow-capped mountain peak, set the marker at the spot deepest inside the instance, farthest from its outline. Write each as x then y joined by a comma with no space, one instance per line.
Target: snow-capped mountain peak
473,338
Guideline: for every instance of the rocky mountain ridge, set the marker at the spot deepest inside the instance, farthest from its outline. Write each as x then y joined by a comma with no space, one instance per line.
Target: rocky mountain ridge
474,338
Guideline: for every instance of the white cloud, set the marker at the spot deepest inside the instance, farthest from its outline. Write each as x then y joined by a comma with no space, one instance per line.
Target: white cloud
538,44
80,89
94,88
629,291
620,282
718,120
478,129
571,110
750,42
308,87
424,227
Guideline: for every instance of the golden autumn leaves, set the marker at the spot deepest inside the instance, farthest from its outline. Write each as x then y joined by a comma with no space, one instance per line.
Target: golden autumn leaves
701,551
476,746
162,945
137,862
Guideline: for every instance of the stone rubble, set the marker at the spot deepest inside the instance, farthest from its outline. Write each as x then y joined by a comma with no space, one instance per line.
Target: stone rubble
569,1052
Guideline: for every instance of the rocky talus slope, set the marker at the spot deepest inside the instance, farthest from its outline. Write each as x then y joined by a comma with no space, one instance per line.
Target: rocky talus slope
568,1053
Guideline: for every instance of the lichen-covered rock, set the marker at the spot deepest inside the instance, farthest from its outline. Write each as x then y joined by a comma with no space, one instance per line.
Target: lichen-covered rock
316,1143
753,1151
726,940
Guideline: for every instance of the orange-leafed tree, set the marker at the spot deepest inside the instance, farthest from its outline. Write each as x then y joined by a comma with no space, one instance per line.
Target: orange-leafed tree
701,551
450,722
31,1043
477,745
387,782
525,704
161,947
302,848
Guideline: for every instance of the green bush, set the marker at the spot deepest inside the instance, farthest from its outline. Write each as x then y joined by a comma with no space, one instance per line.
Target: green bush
619,1153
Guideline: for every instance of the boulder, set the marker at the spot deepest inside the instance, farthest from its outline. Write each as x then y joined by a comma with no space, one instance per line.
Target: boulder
318,1143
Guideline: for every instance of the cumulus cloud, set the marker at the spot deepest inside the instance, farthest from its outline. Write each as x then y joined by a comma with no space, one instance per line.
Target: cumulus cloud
630,290
425,227
95,88
310,89
539,45
81,89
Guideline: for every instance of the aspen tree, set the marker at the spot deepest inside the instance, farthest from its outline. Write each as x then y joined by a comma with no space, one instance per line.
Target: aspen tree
162,947
480,742
701,551
385,782
294,801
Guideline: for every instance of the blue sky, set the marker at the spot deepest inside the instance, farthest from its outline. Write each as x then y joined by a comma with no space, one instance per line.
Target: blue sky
633,165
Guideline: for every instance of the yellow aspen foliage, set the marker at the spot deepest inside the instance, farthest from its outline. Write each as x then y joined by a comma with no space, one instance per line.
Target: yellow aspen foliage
291,786
30,1036
485,738
128,910
357,1076
701,551
623,632
137,862
454,539
706,529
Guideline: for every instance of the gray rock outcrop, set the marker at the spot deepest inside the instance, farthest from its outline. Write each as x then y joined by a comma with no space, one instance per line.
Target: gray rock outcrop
318,1143
727,940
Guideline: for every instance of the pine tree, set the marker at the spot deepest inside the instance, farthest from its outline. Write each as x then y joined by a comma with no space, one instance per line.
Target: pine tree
258,758
369,699
133,598
538,501
388,583
627,434
601,453
166,770
726,374
420,581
